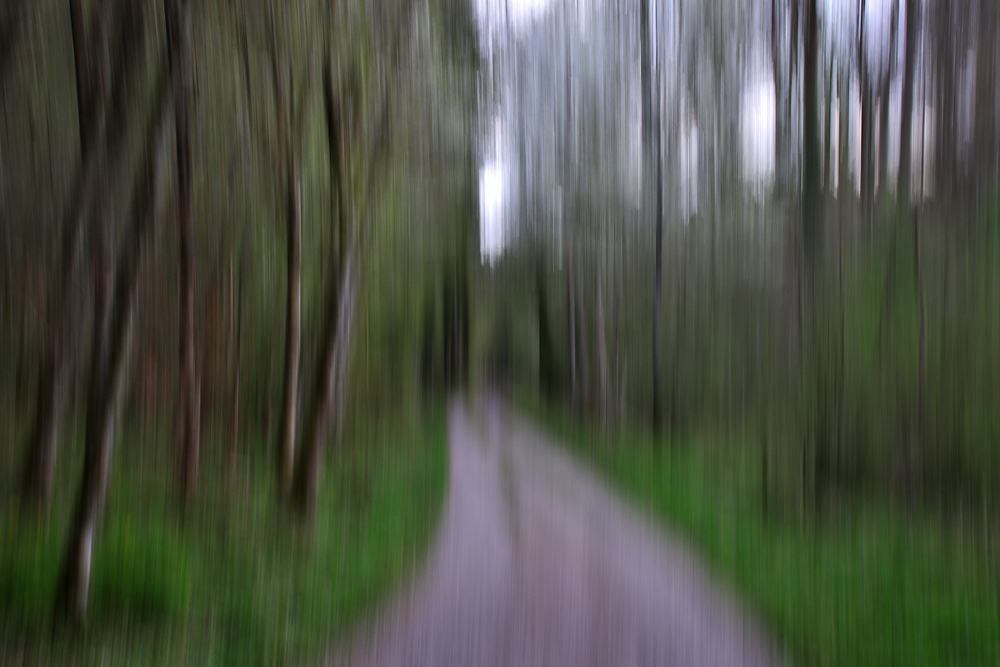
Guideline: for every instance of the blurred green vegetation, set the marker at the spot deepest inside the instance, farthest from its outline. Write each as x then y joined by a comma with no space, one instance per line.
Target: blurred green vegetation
237,579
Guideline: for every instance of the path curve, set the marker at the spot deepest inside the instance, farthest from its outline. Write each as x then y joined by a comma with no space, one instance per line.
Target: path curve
537,563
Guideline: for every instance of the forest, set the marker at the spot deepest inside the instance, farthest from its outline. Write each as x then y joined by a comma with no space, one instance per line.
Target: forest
272,272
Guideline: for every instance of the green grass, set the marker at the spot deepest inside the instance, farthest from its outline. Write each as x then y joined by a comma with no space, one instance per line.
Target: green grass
871,586
240,581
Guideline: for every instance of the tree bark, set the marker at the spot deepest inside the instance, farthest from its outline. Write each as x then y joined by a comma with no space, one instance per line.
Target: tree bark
655,130
679,330
812,211
293,313
828,133
293,328
986,80
582,343
602,348
11,30
329,392
574,390
884,104
179,37
114,307
913,24
866,170
546,354
103,129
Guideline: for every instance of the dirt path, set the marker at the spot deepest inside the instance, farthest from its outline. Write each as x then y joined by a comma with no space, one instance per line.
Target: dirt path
537,563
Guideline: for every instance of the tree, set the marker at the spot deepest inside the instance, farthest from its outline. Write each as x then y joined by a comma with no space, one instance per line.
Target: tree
812,211
370,149
913,26
178,22
290,112
652,129
114,302
102,137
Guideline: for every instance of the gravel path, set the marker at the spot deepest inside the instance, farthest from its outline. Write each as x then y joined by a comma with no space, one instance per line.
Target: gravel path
537,563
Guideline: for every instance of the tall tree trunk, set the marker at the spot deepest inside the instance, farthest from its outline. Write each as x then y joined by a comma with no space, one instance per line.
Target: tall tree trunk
867,160
11,30
574,390
883,138
546,354
914,445
114,305
583,345
828,133
103,130
179,27
986,81
812,210
885,96
679,331
328,397
913,26
293,327
658,281
602,348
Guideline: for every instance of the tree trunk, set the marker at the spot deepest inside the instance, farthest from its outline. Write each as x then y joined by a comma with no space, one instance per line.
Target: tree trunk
11,31
293,326
867,161
114,306
658,274
812,211
179,50
884,104
103,129
583,346
602,349
546,354
828,133
679,330
574,390
328,396
915,440
913,22
986,78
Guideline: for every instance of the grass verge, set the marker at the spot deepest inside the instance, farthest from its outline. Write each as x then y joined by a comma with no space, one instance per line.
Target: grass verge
874,586
239,581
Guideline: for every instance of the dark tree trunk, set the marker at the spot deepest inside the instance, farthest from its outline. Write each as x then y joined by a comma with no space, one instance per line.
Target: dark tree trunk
884,104
328,396
179,49
812,211
602,348
293,328
679,331
293,312
103,130
428,358
574,392
913,24
115,297
867,161
11,30
582,343
656,129
986,155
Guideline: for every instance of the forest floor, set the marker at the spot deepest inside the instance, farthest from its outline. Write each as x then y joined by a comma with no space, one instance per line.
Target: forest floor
538,563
